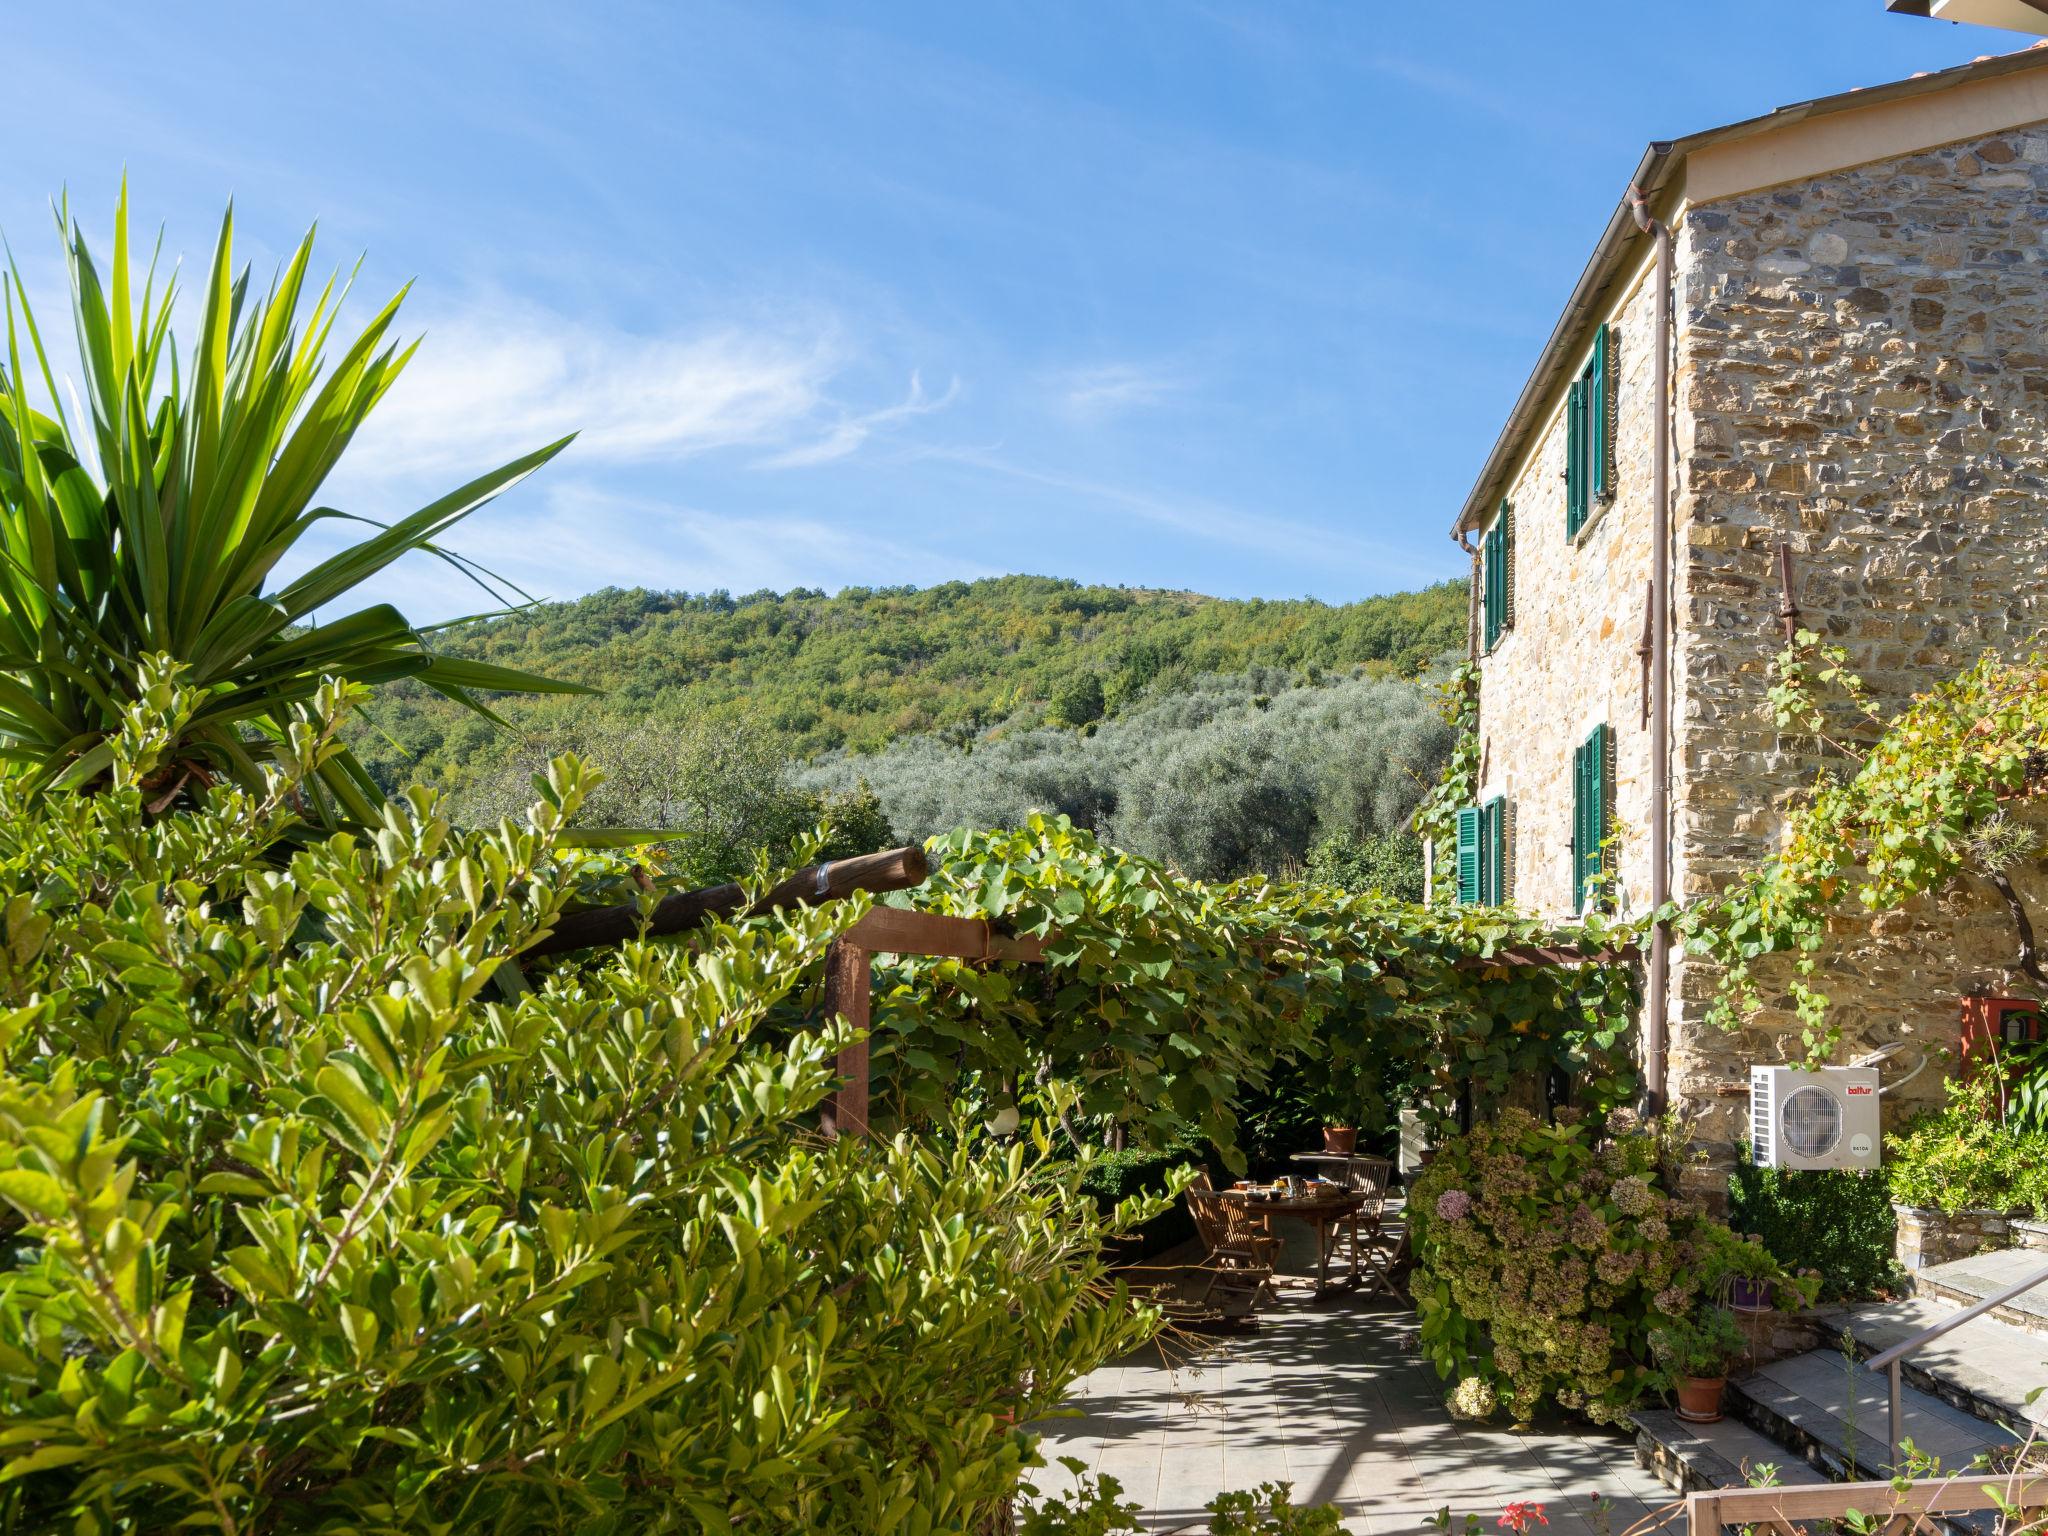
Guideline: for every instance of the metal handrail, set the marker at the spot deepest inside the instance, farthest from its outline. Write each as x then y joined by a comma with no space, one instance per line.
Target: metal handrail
1892,1359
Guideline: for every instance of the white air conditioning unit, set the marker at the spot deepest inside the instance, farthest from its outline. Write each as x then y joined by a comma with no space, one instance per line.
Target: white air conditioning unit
1823,1119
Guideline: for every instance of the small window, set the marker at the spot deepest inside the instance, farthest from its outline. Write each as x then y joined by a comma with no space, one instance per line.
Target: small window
1592,814
1497,575
1493,852
1483,853
1589,435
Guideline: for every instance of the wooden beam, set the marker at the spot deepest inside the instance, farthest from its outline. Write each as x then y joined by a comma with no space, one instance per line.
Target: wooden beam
849,988
897,869
894,931
1936,1495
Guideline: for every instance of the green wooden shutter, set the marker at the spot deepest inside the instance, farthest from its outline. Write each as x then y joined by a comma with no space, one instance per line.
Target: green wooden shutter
1578,828
1594,827
1507,852
1599,414
1493,852
1596,772
1507,575
1468,854
1495,588
1592,795
1574,459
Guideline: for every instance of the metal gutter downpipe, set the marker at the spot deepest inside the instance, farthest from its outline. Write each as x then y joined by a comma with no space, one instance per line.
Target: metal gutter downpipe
1656,1016
1471,595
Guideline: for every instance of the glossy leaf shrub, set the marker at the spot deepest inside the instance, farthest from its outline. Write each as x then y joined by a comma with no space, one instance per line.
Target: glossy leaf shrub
1096,1507
1545,1257
1967,1155
319,1217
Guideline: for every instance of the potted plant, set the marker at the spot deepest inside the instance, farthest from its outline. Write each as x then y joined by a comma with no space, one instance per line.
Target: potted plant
1957,1175
1337,1099
1695,1353
1744,1275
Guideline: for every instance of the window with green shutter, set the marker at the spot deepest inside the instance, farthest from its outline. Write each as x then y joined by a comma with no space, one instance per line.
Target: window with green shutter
1589,434
1493,852
1497,576
1574,459
1483,876
1600,411
1592,813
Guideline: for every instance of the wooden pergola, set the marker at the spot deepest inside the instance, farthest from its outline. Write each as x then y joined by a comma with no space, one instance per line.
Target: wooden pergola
849,963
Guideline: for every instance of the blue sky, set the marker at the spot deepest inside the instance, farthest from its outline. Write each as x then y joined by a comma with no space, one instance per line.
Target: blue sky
1229,297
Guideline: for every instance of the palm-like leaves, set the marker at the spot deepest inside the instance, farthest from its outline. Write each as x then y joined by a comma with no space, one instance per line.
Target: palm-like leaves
205,478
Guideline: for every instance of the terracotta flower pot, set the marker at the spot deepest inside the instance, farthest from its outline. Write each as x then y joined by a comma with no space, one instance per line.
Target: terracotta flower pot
1340,1140
1699,1398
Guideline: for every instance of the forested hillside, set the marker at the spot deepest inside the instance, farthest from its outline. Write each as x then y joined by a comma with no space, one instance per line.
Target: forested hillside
867,667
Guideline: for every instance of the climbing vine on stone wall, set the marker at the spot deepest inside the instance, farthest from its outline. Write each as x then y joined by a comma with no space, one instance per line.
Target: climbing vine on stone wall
1928,801
1436,818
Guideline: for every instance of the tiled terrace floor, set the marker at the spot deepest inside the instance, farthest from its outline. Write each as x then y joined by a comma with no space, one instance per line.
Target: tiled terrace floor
1330,1396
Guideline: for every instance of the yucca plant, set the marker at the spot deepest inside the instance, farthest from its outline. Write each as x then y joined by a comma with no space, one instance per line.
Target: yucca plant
153,527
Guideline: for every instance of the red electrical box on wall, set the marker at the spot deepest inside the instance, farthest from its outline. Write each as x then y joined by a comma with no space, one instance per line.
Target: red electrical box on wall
1992,1026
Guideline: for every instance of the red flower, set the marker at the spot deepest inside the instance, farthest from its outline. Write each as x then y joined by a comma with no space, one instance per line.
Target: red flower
1522,1516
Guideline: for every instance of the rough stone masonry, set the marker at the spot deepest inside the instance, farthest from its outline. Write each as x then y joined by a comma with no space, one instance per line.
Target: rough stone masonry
1861,370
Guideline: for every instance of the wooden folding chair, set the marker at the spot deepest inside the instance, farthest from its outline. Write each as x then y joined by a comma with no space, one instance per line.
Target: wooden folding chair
1236,1243
1370,1176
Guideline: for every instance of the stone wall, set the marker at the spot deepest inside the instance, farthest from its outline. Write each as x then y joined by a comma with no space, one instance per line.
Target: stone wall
1569,662
1927,1237
1863,371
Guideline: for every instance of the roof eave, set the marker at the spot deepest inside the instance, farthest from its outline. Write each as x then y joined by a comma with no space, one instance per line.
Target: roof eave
1599,275
1651,176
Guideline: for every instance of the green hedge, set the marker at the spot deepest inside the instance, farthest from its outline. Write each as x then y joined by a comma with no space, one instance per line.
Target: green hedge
1839,1224
1117,1176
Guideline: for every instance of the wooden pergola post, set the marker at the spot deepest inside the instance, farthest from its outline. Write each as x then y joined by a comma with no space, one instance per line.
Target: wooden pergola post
849,986
849,989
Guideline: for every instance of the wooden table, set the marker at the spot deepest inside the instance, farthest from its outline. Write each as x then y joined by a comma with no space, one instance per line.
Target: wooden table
1325,1212
1382,1272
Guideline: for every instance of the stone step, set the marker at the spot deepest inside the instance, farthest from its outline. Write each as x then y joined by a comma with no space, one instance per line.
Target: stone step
1727,1454
1986,1368
1963,1282
1829,1410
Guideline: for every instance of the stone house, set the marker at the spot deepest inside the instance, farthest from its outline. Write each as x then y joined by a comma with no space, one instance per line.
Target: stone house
1857,370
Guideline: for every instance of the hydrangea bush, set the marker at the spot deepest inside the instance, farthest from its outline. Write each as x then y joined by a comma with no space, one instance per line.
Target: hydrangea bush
1544,1257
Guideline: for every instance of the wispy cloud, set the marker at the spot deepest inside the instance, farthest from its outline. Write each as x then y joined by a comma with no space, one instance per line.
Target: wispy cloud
497,378
1110,389
846,435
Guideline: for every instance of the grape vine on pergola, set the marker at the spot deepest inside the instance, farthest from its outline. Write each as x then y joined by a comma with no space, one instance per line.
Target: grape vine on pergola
1165,999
